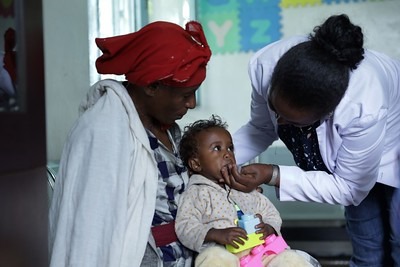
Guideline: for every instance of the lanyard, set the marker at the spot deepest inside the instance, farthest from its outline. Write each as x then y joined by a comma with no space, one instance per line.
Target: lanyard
239,212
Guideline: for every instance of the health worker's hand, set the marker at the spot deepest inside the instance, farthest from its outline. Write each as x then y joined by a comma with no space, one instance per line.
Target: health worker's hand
249,177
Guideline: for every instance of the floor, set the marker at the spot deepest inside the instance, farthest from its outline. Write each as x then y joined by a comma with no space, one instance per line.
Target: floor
334,262
327,241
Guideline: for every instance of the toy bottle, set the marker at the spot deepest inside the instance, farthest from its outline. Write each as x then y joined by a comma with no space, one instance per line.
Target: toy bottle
248,223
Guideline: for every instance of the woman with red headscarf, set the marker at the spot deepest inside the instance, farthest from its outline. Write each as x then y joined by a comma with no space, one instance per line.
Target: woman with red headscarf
120,177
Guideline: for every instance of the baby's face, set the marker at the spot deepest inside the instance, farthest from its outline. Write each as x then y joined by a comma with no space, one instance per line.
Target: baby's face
215,151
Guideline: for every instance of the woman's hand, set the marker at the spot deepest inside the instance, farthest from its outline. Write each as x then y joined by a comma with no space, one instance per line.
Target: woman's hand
248,178
263,228
228,236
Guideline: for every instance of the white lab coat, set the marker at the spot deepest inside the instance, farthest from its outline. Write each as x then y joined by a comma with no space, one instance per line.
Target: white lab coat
359,144
105,192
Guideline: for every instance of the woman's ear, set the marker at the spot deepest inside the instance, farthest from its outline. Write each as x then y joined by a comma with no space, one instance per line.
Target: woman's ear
151,89
194,164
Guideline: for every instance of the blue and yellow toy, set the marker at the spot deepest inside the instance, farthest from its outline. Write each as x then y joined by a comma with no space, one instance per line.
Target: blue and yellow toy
248,222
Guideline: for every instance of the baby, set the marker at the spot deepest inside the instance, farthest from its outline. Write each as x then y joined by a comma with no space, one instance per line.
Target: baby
208,209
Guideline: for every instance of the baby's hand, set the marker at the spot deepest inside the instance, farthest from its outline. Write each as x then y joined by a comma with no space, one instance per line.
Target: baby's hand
231,236
264,229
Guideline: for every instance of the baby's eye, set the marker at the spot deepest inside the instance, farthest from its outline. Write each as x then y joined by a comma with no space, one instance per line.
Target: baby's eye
231,148
217,148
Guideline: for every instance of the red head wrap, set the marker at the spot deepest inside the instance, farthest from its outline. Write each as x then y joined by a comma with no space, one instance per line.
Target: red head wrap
160,51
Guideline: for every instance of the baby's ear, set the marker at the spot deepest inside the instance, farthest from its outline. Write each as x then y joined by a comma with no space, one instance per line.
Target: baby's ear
194,164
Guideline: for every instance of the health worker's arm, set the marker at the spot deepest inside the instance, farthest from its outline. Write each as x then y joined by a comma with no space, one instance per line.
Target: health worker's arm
257,135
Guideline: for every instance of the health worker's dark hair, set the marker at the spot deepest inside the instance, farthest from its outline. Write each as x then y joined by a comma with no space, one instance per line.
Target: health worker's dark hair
314,75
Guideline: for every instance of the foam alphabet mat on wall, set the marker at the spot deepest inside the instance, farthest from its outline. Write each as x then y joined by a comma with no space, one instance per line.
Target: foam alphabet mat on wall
233,26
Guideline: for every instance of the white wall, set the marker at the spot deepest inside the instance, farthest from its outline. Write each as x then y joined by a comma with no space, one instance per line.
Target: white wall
66,50
225,92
